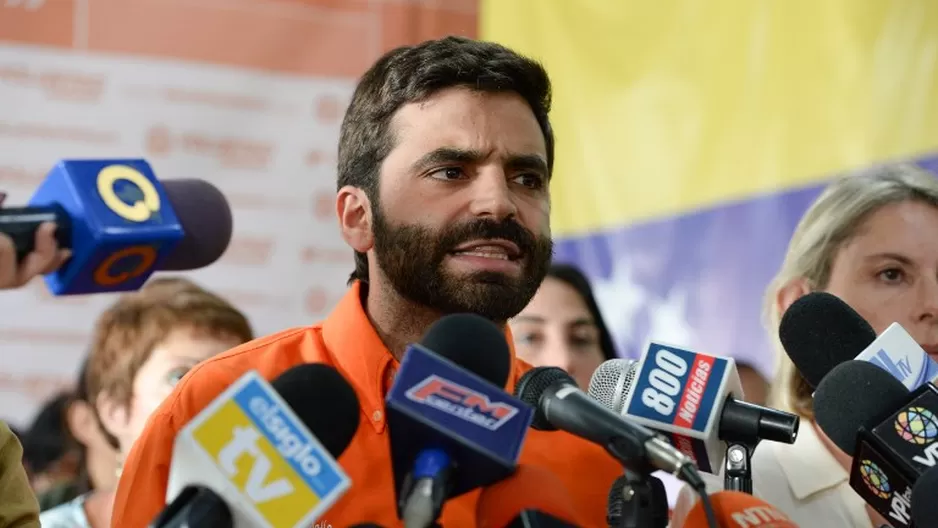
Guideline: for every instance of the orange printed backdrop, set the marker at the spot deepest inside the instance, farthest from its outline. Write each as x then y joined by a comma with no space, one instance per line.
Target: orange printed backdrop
247,94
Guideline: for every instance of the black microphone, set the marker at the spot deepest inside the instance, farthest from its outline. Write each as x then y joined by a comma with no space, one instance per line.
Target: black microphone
196,507
615,503
452,426
890,433
621,497
559,404
820,331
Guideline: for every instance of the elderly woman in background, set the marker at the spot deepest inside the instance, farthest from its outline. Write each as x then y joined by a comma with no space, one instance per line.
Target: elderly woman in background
142,346
872,240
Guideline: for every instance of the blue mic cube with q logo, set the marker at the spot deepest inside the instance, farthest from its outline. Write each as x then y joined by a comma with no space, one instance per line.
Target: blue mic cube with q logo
122,224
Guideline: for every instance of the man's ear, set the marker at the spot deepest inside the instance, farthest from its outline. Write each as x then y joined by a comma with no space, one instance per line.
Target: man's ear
790,292
353,210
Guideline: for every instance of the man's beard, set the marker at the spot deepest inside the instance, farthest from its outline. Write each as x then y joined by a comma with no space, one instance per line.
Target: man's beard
412,258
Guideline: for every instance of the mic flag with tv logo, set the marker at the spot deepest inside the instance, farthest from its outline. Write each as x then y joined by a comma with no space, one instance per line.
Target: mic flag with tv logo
249,440
892,456
897,352
681,394
883,485
435,403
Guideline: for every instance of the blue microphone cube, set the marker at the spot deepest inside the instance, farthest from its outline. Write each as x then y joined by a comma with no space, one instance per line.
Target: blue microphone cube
436,404
122,224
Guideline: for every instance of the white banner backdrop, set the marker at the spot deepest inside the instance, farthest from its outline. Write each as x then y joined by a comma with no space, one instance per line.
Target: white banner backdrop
247,95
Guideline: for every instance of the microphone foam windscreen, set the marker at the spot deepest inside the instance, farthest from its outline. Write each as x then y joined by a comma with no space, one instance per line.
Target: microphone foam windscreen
819,331
528,488
324,401
531,387
855,394
924,505
206,219
733,509
472,342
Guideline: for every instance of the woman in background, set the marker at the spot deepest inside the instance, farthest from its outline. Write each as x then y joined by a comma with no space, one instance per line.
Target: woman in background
50,455
562,326
97,458
872,240
142,346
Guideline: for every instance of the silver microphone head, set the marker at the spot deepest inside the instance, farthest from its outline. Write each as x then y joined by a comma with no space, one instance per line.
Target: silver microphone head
612,381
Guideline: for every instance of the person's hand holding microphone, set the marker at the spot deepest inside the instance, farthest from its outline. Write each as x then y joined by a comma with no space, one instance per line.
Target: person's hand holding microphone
45,258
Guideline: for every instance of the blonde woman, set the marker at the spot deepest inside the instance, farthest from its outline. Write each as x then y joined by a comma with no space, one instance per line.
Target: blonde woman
871,239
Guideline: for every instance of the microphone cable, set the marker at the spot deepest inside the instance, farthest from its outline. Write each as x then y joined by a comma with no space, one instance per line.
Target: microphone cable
690,475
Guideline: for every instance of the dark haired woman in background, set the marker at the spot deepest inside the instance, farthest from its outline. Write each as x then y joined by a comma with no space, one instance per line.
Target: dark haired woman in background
97,459
562,326
48,453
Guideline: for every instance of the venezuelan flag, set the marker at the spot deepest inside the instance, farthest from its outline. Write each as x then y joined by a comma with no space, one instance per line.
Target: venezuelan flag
692,136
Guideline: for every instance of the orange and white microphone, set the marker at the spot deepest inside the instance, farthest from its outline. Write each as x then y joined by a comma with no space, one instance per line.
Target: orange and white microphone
734,509
532,496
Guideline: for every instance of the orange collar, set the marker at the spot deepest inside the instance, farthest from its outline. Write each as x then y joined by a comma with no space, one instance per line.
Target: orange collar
363,358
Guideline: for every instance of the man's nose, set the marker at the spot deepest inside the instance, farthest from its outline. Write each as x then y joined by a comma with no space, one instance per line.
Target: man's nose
492,196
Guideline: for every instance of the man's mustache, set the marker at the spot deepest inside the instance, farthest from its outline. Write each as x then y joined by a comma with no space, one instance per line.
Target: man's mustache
486,230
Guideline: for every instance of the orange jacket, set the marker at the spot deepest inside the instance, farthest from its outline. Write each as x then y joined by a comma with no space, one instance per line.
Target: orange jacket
347,341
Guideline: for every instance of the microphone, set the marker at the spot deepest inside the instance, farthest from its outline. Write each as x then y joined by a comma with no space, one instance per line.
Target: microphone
819,331
735,509
195,507
265,452
924,505
692,399
622,493
532,497
121,224
890,433
452,426
559,404
615,502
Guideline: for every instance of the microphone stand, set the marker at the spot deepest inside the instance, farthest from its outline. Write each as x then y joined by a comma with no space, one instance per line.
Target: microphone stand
642,502
737,471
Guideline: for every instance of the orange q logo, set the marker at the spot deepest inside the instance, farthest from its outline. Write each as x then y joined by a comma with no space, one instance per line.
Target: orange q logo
141,210
104,274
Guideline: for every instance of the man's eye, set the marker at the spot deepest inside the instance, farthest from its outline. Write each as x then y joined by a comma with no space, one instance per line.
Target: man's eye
530,180
448,173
